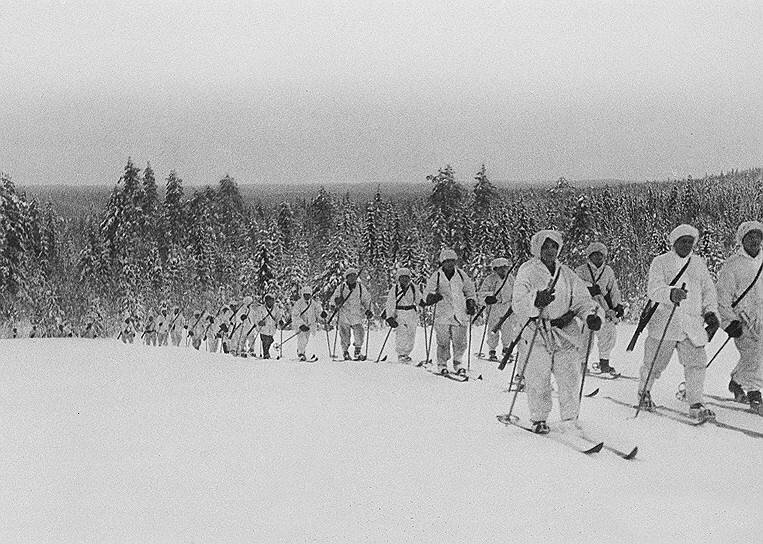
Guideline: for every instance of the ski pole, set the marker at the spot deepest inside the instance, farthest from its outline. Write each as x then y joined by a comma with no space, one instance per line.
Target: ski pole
524,367
279,346
656,354
584,366
328,341
280,349
336,334
424,319
378,358
469,348
718,352
431,332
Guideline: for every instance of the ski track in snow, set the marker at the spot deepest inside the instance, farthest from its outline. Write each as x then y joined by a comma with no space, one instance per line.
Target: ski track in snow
105,442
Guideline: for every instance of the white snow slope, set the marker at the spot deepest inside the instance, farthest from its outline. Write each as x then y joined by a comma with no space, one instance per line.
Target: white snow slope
102,442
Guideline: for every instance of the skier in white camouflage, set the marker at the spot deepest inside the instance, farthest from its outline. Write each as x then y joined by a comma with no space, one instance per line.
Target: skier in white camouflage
694,321
163,327
352,304
176,326
304,318
240,326
267,318
740,303
549,296
127,334
210,334
196,329
452,291
602,285
496,292
402,314
149,331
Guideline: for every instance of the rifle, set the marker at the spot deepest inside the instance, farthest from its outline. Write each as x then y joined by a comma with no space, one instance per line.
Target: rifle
650,309
516,340
500,322
240,321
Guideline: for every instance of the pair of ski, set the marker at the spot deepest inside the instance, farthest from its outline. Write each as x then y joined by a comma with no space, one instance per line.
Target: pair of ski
732,404
681,417
312,359
580,443
459,376
609,375
356,359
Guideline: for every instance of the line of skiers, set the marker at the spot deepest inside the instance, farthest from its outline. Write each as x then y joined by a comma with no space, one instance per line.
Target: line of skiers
550,312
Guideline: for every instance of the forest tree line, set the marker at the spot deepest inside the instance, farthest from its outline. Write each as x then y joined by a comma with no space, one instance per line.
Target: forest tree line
149,247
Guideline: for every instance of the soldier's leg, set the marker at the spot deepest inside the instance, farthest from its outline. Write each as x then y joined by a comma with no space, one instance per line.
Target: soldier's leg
660,363
359,334
748,371
302,340
443,337
267,341
492,337
566,369
694,360
344,336
405,335
459,338
538,381
507,334
607,337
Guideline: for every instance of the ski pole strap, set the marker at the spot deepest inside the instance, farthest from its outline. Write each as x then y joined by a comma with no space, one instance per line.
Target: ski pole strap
401,295
307,308
650,309
749,287
197,321
607,298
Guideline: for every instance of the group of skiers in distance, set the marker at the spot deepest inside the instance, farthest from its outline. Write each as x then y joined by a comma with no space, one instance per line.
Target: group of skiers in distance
545,318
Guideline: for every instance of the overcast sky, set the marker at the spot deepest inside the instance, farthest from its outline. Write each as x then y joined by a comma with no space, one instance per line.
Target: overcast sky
299,91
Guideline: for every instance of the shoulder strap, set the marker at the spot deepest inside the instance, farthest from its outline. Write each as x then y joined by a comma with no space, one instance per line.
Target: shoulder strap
306,308
590,271
401,295
502,284
749,287
681,272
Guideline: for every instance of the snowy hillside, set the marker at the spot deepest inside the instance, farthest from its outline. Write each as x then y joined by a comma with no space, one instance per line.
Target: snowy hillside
102,442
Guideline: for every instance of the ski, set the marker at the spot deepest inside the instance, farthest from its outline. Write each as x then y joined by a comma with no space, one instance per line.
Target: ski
452,376
733,404
627,455
679,417
733,408
608,376
725,399
486,358
313,358
592,393
727,426
578,443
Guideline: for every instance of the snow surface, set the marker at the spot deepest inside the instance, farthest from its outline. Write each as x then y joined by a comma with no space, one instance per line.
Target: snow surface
105,442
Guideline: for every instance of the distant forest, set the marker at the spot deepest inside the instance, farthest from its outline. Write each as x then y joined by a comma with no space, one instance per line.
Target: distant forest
73,254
